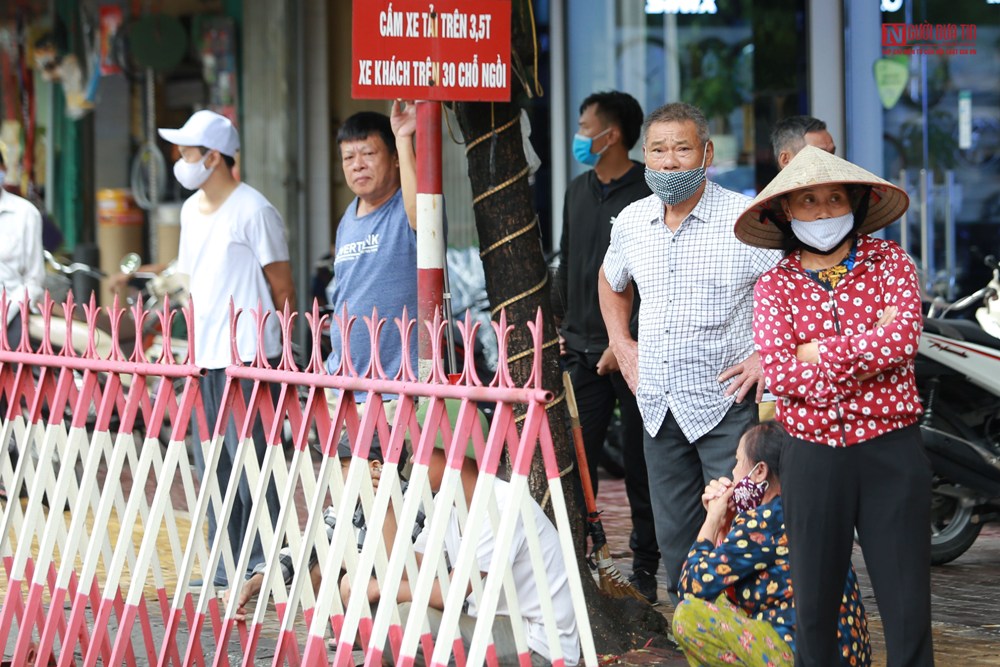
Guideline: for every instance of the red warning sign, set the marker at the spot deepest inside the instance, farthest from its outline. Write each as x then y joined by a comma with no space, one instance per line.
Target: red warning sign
451,50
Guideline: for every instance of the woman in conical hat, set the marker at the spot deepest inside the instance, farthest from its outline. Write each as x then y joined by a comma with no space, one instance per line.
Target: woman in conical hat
836,324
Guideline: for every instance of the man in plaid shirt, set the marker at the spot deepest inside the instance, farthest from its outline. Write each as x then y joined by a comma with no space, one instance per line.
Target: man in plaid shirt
694,362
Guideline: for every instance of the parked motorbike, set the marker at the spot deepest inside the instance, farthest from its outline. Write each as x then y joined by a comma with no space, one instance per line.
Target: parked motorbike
152,290
958,375
58,283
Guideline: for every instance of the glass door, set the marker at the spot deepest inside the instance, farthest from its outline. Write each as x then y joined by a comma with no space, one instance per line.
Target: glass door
739,62
939,79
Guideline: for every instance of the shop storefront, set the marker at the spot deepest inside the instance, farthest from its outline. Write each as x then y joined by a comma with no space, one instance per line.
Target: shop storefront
741,63
84,86
283,70
939,79
922,111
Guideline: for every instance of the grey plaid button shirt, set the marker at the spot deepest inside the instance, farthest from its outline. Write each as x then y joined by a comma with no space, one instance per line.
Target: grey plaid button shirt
695,319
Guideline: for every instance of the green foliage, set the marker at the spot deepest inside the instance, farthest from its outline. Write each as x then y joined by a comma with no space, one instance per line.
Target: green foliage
712,87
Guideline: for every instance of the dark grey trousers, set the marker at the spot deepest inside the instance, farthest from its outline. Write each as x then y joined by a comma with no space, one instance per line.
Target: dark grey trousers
881,487
213,386
596,396
678,472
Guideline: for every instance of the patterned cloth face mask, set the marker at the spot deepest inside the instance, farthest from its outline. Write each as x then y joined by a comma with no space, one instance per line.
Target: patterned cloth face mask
673,187
747,494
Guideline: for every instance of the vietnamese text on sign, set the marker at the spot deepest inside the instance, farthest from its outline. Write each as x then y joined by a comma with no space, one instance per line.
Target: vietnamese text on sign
434,51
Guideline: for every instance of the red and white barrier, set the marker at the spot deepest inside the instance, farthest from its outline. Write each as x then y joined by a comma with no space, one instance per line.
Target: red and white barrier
109,580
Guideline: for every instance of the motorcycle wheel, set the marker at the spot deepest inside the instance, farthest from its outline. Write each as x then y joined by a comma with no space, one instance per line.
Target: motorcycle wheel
952,528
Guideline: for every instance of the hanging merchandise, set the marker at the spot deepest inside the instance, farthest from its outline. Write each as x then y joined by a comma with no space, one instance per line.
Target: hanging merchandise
17,128
157,41
10,124
217,48
148,176
26,83
111,22
79,76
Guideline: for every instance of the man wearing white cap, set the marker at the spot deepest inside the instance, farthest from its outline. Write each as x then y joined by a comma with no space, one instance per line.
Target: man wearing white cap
233,246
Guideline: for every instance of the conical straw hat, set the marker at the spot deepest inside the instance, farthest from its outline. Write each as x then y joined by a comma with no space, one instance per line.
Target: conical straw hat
814,166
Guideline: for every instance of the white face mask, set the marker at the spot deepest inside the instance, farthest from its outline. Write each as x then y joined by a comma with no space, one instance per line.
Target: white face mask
192,175
824,235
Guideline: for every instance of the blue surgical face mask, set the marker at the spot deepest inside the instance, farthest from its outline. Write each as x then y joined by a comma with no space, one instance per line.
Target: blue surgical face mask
824,235
3,175
582,146
673,187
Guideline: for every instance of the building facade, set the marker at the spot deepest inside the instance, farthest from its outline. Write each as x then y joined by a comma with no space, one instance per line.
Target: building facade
909,89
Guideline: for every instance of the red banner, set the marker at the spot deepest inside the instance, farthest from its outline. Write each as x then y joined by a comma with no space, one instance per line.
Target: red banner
446,50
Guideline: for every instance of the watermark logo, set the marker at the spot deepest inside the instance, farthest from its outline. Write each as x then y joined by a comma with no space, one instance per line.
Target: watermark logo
951,39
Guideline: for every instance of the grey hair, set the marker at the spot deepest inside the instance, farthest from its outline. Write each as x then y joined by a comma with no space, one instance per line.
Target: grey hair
678,112
789,134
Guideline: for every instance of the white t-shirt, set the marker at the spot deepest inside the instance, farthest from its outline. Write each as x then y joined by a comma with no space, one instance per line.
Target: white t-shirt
21,262
224,254
524,577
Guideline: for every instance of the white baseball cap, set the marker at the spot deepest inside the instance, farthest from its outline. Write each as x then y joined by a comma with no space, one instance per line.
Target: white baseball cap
208,129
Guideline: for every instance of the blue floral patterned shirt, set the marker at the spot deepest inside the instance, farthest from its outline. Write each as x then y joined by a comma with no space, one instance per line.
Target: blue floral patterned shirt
751,566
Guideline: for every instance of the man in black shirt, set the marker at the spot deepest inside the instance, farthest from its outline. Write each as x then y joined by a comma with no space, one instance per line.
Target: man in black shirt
609,126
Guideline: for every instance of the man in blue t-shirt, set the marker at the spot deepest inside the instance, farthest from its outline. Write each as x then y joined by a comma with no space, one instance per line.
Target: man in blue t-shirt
375,256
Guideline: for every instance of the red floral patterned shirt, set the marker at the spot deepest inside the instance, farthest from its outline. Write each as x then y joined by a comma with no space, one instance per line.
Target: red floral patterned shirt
826,402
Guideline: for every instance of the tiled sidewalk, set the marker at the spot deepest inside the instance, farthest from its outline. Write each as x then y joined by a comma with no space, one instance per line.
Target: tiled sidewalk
966,602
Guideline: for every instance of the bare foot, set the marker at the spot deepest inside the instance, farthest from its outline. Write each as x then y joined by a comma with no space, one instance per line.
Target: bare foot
248,591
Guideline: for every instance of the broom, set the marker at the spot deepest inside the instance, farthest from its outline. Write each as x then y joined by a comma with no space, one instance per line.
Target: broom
610,580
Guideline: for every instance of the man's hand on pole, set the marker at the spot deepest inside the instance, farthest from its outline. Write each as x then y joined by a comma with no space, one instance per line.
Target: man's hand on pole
404,127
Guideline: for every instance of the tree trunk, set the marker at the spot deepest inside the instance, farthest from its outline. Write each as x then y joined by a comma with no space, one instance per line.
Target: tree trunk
516,275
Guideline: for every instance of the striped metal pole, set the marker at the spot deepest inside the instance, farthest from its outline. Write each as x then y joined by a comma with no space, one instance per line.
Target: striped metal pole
430,227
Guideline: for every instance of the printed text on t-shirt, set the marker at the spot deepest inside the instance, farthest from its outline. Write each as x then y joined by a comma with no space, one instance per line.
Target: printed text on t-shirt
351,251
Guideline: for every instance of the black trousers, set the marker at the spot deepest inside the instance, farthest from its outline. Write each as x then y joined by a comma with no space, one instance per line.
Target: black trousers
882,488
596,396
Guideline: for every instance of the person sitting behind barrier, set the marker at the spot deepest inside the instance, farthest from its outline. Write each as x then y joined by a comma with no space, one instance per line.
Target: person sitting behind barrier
736,583
523,575
529,602
375,459
255,580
